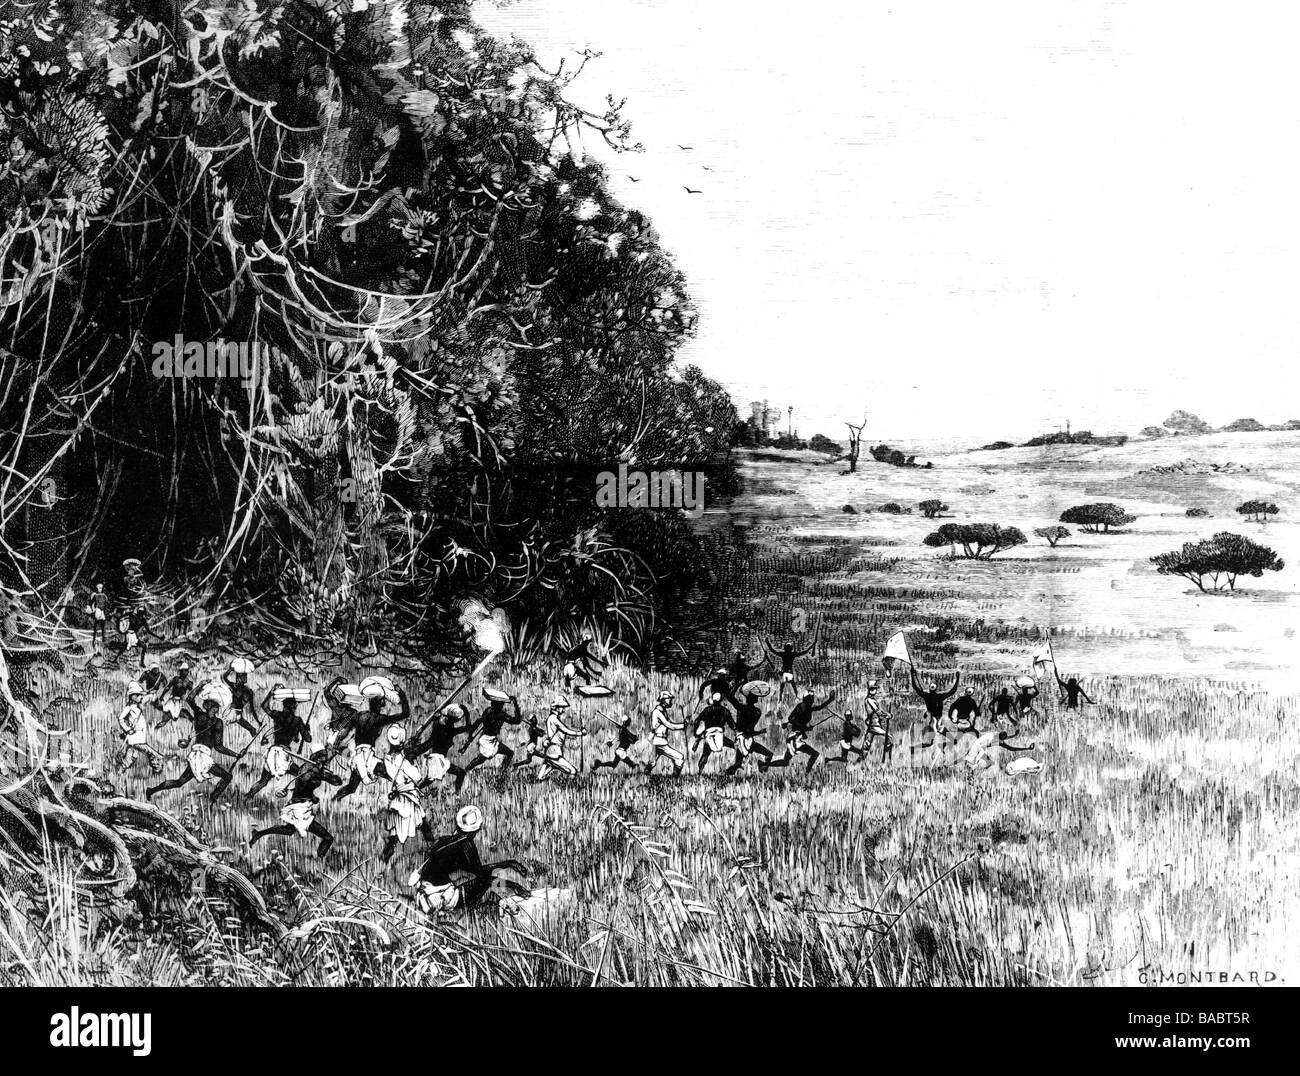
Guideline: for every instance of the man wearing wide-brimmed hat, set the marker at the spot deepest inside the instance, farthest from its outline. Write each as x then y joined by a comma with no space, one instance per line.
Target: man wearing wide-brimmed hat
135,729
557,731
661,724
405,812
452,859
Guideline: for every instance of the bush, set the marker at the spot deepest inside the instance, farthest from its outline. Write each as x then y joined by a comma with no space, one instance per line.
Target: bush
979,541
1096,518
1197,513
1219,559
848,509
1259,511
821,443
892,508
996,446
1053,534
1186,422
932,508
892,456
1245,425
1153,431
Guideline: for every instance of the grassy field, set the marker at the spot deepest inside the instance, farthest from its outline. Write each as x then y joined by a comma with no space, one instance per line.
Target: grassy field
1154,842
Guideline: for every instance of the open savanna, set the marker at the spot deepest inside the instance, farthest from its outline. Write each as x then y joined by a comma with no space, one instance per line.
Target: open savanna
1156,840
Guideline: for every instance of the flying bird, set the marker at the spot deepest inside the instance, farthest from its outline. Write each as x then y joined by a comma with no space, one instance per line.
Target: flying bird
689,191
706,168
634,179
680,146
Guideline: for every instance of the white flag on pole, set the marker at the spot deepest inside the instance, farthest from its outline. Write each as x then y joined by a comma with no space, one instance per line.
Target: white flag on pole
896,650
1043,657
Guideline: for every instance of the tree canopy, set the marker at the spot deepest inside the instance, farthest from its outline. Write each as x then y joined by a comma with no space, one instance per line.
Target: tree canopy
1219,561
978,541
1053,534
1259,511
461,324
1099,517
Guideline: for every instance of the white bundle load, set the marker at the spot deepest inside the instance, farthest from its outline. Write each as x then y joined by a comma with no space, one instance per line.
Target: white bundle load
349,695
760,689
495,694
298,694
1025,681
1024,764
380,687
214,689
594,691
241,666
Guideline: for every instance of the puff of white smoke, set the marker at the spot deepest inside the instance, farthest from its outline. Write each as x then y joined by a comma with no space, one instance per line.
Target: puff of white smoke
489,627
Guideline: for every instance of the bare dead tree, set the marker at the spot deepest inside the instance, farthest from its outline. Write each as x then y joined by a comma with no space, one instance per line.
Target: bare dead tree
855,444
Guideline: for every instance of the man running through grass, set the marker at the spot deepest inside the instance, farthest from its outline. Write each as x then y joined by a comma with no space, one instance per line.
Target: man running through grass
739,670
719,683
405,812
627,739
1003,704
849,732
242,700
171,700
489,727
366,730
661,725
1071,692
557,732
299,814
449,724
800,723
578,660
287,728
711,727
1026,696
206,744
748,714
532,749
135,729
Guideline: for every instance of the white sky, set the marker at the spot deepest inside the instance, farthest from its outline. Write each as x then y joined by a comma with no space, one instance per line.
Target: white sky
974,219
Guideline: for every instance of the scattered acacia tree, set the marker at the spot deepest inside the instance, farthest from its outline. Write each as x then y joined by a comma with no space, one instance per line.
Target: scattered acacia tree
978,541
1219,560
932,508
1096,518
1259,511
1053,534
